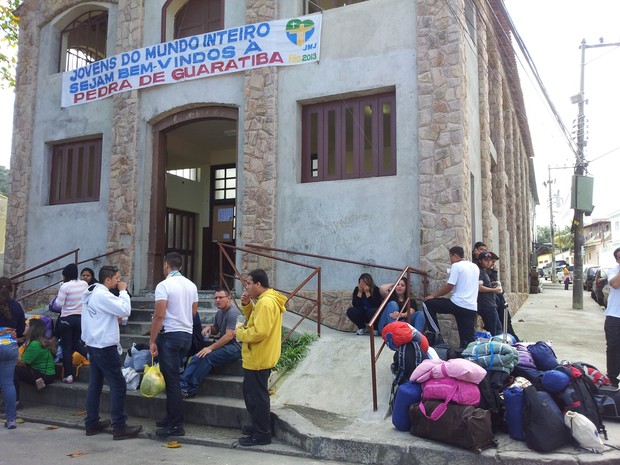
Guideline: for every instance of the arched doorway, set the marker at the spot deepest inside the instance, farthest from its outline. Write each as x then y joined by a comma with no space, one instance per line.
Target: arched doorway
193,200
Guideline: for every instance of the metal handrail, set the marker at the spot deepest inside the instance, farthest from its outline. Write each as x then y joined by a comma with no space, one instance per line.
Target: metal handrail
41,265
238,275
423,273
76,260
408,270
371,332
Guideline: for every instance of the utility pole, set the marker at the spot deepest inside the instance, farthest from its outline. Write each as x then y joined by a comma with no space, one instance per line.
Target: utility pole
554,275
580,167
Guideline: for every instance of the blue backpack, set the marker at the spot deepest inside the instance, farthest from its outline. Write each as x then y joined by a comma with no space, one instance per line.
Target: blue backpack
543,355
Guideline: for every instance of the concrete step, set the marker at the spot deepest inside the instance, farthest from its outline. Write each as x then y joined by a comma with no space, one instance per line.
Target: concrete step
233,371
204,302
136,327
224,412
146,314
128,339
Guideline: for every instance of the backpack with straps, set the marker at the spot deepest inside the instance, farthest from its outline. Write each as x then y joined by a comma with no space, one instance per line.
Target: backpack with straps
579,396
406,359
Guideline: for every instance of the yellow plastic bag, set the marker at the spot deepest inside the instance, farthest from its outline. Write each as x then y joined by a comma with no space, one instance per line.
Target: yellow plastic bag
153,381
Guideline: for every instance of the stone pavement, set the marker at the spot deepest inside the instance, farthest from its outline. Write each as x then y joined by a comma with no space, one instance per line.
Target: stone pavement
324,408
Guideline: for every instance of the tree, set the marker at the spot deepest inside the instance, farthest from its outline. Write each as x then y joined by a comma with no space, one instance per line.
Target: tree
544,235
8,42
4,180
564,239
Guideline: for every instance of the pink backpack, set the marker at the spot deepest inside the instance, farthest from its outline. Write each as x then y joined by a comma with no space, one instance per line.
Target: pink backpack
448,390
457,368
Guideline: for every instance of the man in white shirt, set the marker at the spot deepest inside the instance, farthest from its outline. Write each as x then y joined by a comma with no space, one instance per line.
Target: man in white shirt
612,321
176,303
463,283
100,313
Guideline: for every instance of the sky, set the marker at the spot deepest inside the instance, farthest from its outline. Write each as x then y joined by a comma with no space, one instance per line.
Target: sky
552,31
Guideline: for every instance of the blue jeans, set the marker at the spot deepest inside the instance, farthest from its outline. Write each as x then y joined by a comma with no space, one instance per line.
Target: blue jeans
71,341
106,363
417,319
172,347
198,368
8,360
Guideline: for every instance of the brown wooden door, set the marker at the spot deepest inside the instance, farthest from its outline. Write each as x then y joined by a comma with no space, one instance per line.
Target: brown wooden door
181,237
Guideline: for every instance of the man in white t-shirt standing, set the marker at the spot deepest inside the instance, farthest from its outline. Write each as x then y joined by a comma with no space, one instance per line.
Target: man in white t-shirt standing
612,321
463,283
176,302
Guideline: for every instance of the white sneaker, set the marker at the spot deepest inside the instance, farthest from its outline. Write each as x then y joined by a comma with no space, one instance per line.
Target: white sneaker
361,332
68,379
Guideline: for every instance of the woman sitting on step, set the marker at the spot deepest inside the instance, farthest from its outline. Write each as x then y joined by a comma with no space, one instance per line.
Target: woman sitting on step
393,307
37,360
366,300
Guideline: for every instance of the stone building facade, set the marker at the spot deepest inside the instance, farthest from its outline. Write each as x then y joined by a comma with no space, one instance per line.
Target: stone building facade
461,145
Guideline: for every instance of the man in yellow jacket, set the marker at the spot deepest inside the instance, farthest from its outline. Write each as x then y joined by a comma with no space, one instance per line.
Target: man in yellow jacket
260,352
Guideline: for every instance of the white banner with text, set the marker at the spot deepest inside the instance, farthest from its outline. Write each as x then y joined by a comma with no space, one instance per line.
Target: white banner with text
282,42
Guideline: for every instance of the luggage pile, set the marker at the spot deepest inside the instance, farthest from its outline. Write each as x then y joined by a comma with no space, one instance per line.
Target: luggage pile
496,386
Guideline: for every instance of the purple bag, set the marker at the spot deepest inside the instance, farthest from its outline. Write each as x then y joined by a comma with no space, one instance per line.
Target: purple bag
449,390
525,357
52,307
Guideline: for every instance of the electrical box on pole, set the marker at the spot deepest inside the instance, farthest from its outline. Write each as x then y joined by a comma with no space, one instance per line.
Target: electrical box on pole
582,193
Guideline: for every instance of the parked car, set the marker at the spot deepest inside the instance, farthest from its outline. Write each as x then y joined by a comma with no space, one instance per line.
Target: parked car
559,266
588,276
600,289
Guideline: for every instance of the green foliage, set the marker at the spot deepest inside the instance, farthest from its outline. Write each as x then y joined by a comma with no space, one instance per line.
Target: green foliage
564,239
9,27
294,350
4,181
544,235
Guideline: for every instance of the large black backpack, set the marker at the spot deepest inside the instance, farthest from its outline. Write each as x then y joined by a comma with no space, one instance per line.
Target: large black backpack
543,424
407,357
579,396
490,387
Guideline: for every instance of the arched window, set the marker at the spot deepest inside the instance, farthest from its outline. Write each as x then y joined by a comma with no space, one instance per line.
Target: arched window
198,17
83,41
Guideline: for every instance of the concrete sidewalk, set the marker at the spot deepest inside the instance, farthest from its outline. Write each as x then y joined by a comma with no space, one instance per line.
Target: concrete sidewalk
324,408
329,396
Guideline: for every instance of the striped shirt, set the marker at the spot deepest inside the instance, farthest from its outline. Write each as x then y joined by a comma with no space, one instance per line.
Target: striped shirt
70,297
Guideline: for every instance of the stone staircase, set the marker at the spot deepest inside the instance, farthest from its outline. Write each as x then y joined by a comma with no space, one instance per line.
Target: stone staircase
219,402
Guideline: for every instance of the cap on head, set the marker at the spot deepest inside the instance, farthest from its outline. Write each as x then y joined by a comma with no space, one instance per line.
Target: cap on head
485,256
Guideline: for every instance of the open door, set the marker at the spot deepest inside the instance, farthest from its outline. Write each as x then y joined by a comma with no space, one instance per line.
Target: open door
194,191
223,223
